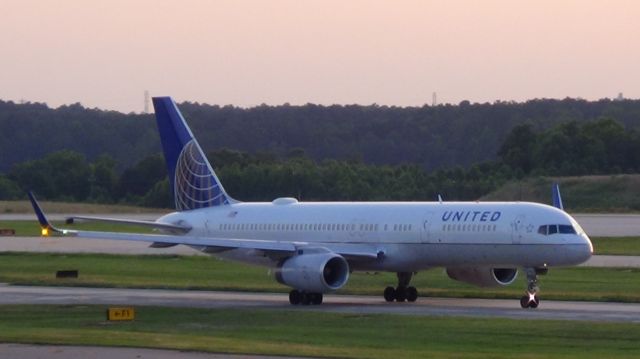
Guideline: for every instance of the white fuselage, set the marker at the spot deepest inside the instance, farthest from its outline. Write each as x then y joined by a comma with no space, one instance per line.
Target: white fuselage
409,236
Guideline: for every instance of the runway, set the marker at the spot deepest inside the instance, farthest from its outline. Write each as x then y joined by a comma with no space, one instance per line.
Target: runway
609,225
557,310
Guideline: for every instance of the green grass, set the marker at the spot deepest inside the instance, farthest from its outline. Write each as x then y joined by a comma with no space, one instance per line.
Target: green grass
627,246
595,194
305,333
32,228
207,273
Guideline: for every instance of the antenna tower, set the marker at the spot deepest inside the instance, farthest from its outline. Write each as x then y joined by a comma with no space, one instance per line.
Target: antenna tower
146,101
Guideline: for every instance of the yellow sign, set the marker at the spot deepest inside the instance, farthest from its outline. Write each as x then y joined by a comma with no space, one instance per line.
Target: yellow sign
126,313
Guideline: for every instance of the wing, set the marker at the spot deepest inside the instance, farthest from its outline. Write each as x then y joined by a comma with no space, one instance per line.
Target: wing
212,244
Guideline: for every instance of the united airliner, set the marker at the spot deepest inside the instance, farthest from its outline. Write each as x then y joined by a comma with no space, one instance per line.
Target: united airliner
314,246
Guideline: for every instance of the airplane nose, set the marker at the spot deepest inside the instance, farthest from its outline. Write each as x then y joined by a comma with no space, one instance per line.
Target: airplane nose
588,243
587,248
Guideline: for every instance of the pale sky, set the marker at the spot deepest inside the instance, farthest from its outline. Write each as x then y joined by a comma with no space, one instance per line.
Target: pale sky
107,53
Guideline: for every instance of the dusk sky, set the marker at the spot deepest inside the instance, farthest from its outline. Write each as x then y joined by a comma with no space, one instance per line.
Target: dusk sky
105,54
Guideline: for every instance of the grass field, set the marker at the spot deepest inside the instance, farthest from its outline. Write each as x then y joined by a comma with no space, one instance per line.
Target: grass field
207,273
594,194
626,246
304,333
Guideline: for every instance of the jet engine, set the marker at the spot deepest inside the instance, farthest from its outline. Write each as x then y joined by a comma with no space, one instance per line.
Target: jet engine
484,277
314,273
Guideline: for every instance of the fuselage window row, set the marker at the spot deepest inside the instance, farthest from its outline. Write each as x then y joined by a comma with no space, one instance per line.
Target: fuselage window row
469,227
335,227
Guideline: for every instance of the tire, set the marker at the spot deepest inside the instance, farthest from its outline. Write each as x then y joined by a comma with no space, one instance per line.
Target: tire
412,294
401,294
524,302
305,298
534,303
316,298
294,297
389,294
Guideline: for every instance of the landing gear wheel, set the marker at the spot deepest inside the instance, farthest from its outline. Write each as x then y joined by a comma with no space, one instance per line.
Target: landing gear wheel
389,294
306,299
534,303
412,294
524,302
402,292
294,297
529,301
316,298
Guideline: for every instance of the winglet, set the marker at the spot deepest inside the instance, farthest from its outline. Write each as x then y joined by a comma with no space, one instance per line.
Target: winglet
45,225
555,196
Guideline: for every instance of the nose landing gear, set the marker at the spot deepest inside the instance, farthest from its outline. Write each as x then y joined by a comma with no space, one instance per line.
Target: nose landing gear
530,299
403,291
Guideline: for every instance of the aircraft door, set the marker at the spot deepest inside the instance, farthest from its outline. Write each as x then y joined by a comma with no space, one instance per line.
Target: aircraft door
518,229
425,232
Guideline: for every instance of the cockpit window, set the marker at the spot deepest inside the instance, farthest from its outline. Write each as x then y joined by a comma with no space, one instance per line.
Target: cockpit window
550,229
566,229
543,230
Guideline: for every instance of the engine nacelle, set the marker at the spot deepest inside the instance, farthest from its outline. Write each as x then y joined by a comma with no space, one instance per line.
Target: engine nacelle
484,277
314,272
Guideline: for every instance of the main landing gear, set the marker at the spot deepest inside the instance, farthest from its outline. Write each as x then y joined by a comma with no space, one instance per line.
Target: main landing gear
402,292
304,298
530,299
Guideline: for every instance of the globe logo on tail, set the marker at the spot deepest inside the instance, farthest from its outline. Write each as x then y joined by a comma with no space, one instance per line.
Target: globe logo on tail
195,184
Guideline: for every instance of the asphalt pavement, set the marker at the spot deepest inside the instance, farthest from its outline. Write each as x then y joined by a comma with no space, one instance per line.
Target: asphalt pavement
487,308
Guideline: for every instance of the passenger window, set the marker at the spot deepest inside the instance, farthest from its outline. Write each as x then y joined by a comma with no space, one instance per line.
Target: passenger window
566,229
542,230
553,229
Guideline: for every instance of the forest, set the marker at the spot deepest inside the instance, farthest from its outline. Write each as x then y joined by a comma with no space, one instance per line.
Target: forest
602,146
431,137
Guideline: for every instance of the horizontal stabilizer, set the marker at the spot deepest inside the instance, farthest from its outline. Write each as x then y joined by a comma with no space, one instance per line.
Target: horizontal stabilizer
151,224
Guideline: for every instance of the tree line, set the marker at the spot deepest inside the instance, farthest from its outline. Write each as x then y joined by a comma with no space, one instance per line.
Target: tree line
432,137
598,147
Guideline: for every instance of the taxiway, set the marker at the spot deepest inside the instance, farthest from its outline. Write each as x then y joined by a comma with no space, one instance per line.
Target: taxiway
557,310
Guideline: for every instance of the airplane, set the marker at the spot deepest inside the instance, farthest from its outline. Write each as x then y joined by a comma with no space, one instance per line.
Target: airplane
314,246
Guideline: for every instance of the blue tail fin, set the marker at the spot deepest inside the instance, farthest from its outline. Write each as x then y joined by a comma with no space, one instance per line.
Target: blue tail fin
194,184
555,196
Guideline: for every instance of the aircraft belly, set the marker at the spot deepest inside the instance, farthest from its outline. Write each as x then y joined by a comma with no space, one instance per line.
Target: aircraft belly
416,257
